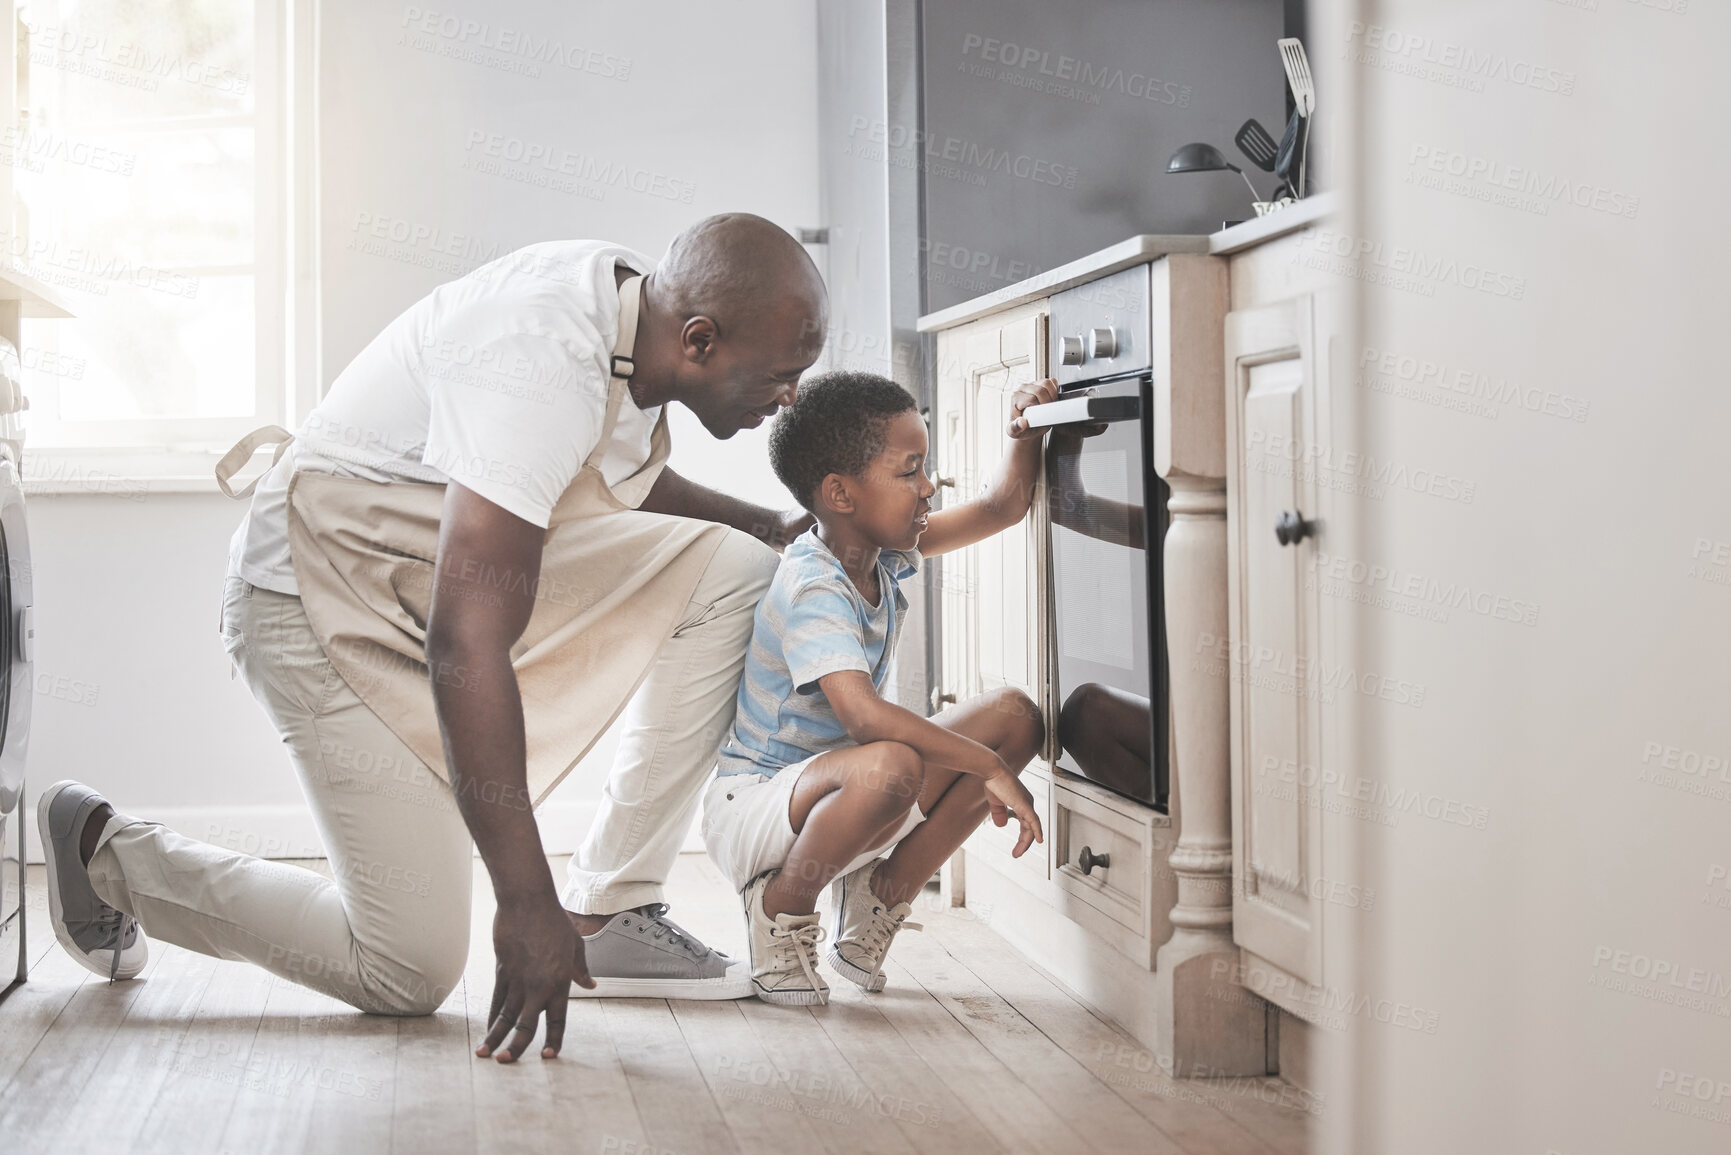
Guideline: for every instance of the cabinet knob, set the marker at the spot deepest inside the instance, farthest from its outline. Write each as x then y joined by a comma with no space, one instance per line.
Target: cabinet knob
941,698
944,482
1088,860
1073,353
1290,528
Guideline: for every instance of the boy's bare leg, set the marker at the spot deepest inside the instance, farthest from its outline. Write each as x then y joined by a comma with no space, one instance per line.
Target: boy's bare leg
845,802
955,803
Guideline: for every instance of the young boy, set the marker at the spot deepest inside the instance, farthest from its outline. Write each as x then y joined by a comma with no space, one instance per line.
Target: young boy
821,779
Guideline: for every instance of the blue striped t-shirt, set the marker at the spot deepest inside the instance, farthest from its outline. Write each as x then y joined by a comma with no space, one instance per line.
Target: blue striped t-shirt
812,622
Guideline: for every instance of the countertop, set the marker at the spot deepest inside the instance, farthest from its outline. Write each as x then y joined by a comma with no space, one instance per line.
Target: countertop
1135,251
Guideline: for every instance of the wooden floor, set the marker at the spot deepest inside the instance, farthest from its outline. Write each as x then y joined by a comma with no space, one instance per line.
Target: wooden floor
969,1049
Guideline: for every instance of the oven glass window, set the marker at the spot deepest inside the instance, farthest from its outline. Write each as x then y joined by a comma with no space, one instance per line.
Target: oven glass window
1098,477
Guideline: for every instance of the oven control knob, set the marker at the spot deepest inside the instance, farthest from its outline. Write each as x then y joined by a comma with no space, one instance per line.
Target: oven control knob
1073,354
1103,343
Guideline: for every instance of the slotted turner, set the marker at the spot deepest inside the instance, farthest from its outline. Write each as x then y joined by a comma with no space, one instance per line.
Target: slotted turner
1297,66
1298,75
1255,142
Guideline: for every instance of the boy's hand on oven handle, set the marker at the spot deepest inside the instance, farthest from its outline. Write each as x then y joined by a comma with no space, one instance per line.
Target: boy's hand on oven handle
1036,394
1008,798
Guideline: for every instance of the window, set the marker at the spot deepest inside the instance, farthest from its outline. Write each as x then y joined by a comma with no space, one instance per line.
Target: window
148,160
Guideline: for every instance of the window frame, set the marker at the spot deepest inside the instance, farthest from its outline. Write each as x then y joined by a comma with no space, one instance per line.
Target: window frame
132,456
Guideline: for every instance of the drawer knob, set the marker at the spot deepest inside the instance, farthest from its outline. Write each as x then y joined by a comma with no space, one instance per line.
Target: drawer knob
1089,860
1291,528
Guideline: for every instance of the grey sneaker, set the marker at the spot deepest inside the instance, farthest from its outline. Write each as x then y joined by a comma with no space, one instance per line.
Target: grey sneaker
103,939
643,954
783,951
865,926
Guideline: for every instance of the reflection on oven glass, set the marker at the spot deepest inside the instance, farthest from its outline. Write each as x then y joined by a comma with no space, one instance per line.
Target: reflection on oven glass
1107,731
1095,517
1095,574
1095,473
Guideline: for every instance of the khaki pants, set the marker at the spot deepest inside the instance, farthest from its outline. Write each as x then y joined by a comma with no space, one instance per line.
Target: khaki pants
391,934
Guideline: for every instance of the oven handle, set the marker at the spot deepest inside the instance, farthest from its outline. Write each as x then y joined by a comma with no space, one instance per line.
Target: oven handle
1083,410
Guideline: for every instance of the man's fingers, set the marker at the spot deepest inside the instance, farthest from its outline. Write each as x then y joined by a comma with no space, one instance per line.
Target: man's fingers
556,1010
502,1024
1023,840
500,989
523,1026
1000,812
580,968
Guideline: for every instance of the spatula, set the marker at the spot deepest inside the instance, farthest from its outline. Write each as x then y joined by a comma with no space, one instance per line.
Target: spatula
1297,65
1255,142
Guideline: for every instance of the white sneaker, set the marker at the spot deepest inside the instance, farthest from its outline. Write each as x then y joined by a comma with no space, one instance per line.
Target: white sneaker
864,928
783,951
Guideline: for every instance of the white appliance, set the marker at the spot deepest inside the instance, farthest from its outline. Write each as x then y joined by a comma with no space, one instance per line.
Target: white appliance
17,636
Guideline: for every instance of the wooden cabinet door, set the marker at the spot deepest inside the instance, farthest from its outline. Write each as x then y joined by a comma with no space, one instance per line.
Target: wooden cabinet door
1006,589
1273,651
992,622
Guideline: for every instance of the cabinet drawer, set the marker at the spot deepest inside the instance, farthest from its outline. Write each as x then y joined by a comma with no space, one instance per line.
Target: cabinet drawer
993,844
1118,888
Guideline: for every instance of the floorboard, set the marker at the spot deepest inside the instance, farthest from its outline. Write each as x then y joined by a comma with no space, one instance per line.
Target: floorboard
970,1049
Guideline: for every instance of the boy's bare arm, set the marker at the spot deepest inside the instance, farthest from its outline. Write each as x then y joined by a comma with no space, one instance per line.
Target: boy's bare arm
1005,502
868,718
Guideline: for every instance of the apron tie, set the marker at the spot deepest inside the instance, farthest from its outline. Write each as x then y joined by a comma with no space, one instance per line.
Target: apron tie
242,452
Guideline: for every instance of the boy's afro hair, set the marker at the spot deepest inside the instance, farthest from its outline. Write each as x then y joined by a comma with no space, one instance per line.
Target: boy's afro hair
835,425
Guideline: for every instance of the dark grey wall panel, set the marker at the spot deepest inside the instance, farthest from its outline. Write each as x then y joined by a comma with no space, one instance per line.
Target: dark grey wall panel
1047,127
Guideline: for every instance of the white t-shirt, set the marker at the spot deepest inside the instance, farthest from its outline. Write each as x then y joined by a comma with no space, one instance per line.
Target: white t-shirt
497,380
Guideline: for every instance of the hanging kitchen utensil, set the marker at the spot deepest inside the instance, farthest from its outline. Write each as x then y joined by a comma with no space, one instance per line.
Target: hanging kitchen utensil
1286,158
1297,65
1255,142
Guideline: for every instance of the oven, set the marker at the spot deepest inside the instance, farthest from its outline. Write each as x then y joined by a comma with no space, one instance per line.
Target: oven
1108,515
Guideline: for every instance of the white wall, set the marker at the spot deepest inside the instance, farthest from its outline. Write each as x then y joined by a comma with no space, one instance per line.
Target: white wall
1597,860
717,101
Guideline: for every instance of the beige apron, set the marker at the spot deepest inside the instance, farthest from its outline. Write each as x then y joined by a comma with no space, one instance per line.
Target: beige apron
614,582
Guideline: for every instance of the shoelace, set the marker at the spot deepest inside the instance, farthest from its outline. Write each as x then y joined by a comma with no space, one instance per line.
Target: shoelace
665,927
879,931
801,942
113,924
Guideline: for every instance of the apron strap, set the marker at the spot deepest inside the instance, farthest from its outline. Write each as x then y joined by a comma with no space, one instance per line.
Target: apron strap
242,452
621,366
630,294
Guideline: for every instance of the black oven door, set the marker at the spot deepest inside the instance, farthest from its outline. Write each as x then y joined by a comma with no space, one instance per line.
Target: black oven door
1109,514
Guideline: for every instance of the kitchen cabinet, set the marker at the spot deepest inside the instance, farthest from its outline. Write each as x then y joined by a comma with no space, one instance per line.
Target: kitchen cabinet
1273,652
989,594
1285,476
993,635
1127,904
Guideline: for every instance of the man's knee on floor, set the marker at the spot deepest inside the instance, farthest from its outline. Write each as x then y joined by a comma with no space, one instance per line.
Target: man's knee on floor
417,984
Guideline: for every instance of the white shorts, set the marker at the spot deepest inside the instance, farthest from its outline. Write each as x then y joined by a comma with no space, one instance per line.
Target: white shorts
748,829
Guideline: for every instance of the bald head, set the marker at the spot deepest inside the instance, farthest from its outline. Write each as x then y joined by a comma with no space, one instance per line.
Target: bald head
748,276
732,316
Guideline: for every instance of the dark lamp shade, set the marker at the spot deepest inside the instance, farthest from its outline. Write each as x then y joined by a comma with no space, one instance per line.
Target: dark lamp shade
1199,157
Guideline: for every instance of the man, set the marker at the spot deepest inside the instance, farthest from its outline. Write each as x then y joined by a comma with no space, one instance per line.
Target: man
471,562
